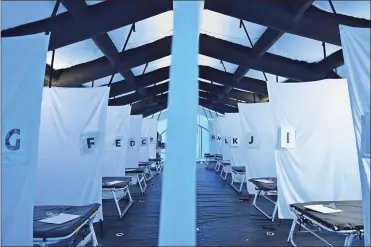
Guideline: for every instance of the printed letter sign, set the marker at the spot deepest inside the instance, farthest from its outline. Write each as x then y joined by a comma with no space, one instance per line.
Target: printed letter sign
235,141
88,142
288,138
252,140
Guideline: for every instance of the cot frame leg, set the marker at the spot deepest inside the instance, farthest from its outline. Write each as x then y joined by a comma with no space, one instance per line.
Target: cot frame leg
142,182
116,202
93,236
238,190
254,203
290,238
225,170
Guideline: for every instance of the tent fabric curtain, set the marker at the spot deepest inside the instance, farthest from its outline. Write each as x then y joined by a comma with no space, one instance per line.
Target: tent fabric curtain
71,145
316,156
117,126
149,130
233,143
356,50
212,136
22,71
134,138
257,124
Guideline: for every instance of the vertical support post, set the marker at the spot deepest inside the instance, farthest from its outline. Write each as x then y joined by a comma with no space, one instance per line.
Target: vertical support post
324,49
201,154
179,193
51,69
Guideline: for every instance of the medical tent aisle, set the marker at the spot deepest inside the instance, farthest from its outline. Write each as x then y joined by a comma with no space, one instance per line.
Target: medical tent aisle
185,123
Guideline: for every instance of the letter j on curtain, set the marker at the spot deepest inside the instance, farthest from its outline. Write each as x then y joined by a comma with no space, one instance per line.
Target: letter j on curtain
252,140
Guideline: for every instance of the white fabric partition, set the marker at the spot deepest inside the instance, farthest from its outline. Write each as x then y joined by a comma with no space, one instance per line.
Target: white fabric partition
22,71
116,135
223,135
356,50
134,138
71,145
212,136
153,139
218,135
259,145
148,141
321,161
232,143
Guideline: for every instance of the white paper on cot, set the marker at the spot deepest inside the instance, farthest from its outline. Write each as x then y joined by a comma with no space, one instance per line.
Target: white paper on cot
323,209
265,181
114,182
60,218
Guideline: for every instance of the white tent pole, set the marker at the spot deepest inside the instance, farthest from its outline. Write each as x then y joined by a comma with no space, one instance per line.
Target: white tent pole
178,202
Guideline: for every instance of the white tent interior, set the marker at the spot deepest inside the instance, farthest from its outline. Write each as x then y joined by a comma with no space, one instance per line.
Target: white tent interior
291,77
